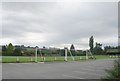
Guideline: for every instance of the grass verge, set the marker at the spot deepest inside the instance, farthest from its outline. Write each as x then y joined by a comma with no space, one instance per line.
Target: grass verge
25,59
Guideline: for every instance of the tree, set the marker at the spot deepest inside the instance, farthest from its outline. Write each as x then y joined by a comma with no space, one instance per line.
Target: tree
4,49
10,49
44,47
91,43
72,49
17,51
98,49
118,48
106,48
62,52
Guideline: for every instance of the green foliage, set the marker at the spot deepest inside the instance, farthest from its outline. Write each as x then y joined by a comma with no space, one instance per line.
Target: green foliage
17,52
73,52
80,53
111,48
10,49
91,43
113,74
4,49
98,49
44,51
29,51
62,52
72,47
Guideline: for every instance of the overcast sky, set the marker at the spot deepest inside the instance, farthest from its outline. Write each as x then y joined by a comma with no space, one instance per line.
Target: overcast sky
59,24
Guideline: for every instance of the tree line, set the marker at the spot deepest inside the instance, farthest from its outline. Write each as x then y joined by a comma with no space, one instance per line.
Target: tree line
21,50
98,50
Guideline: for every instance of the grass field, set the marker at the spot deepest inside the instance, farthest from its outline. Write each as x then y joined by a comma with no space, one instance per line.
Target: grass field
24,59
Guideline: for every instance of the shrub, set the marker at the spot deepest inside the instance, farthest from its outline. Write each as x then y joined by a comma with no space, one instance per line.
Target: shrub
114,73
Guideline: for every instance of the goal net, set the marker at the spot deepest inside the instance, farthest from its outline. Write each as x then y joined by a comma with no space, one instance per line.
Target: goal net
89,55
66,54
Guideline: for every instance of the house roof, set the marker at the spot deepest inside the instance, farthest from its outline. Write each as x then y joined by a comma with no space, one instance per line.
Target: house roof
113,51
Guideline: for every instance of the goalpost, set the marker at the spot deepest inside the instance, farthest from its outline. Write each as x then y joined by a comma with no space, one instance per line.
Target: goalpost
71,55
66,51
36,54
66,54
89,54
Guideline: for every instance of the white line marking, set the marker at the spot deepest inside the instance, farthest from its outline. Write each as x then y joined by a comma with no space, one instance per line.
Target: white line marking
72,76
88,73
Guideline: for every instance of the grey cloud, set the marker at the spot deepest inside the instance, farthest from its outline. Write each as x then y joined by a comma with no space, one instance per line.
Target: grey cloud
61,23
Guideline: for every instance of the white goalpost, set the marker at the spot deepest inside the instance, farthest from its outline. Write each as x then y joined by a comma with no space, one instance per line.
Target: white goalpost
89,54
36,55
71,55
66,51
86,54
66,54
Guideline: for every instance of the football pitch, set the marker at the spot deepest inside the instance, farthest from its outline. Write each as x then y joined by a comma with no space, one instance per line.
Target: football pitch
25,59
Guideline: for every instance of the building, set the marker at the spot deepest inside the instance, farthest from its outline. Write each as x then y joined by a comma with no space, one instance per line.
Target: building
113,51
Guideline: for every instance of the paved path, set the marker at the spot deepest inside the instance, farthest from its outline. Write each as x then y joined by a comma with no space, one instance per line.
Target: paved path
93,69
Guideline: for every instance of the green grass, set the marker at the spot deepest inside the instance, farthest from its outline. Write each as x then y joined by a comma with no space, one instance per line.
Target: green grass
24,59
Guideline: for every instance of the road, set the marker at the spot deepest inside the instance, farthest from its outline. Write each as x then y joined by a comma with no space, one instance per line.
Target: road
92,69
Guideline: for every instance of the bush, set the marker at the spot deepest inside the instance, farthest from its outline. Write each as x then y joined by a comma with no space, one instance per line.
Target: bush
113,74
